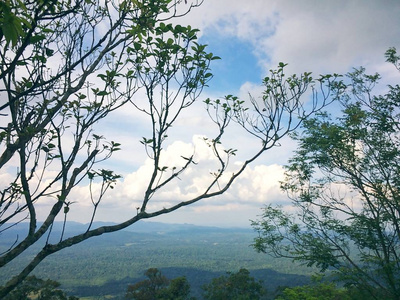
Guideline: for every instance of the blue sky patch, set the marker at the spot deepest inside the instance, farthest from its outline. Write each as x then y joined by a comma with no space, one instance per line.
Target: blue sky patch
237,65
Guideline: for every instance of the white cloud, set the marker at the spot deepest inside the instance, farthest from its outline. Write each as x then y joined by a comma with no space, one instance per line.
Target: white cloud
333,36
321,36
258,184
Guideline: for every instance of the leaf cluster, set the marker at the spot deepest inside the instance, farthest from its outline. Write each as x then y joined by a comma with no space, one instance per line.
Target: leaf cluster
36,288
157,286
235,286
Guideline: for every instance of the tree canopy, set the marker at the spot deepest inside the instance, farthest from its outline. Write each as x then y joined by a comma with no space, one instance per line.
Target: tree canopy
36,288
157,286
344,184
235,286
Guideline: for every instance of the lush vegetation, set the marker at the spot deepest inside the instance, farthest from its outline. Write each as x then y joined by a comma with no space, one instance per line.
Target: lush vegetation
200,262
107,265
36,288
344,181
235,286
238,286
159,287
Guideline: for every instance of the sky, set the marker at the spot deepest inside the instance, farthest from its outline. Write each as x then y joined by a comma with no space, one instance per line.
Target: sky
251,37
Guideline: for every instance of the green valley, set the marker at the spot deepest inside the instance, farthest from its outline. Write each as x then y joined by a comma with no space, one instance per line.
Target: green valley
102,267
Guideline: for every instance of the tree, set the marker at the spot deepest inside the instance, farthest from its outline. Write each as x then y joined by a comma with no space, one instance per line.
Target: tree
322,291
318,290
157,286
178,289
344,182
65,66
36,288
148,289
236,286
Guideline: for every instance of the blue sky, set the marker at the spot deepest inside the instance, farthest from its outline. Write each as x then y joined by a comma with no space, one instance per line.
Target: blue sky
251,37
238,63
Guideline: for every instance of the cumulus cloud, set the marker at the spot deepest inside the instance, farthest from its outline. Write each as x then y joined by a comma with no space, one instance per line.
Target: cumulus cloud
259,184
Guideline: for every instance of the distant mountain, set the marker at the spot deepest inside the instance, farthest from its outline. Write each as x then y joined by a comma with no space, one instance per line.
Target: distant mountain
145,226
140,227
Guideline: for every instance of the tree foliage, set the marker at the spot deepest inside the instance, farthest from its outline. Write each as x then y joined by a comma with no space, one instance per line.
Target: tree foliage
149,288
321,291
235,286
317,290
36,288
179,289
65,66
157,286
344,183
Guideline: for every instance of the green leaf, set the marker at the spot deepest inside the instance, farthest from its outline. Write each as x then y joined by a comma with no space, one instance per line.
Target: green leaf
37,38
282,65
170,42
97,137
102,93
82,96
49,52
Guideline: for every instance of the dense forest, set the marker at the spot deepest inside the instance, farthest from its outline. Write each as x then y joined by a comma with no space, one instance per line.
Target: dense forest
103,267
